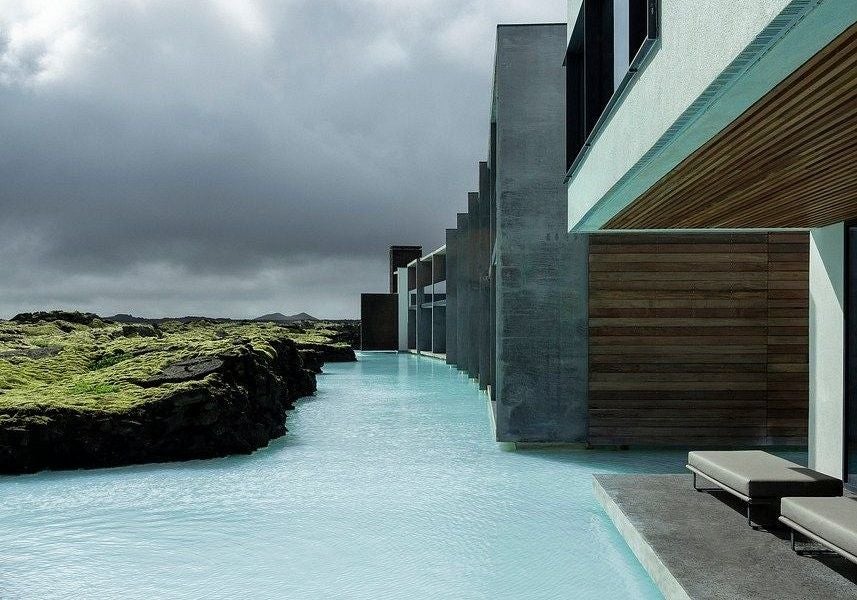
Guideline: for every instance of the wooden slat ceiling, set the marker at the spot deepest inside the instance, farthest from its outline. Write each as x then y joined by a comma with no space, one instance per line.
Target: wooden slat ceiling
788,161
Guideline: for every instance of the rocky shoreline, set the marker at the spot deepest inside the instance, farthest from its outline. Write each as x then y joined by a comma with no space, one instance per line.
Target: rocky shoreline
230,402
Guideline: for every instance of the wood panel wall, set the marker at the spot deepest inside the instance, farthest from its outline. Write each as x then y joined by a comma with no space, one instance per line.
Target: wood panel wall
698,339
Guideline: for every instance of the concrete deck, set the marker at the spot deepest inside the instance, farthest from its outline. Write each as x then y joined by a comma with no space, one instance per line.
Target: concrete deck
698,545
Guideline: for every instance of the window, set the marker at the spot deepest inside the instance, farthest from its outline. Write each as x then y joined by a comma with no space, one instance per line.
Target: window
574,94
610,41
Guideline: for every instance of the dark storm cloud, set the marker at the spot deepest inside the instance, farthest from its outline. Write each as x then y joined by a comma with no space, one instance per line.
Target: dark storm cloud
234,157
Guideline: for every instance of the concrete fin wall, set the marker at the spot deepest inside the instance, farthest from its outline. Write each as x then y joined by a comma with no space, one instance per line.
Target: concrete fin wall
463,341
541,291
483,258
451,297
827,349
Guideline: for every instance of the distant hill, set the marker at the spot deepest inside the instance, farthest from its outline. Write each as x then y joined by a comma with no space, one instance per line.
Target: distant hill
280,317
126,318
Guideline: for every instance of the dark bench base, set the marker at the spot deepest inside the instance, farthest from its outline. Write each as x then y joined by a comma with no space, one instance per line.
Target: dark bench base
829,548
722,487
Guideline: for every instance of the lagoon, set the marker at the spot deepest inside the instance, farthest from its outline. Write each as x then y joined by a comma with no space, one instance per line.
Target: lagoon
388,485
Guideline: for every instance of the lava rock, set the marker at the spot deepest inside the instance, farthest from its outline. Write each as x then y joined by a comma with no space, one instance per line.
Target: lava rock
186,370
78,318
238,405
331,352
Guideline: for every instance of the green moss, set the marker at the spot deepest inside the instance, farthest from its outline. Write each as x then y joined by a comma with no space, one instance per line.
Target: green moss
109,361
92,388
95,368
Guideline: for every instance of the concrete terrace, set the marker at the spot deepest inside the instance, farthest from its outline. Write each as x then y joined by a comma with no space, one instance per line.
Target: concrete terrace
698,545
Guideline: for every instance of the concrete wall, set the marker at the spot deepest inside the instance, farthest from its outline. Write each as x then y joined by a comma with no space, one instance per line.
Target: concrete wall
460,265
451,297
826,348
438,343
699,41
379,322
541,386
483,291
402,302
471,365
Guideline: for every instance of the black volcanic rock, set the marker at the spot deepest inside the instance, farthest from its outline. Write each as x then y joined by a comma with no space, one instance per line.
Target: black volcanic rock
238,405
75,317
330,353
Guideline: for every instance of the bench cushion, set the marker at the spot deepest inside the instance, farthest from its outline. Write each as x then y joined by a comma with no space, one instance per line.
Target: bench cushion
831,519
757,474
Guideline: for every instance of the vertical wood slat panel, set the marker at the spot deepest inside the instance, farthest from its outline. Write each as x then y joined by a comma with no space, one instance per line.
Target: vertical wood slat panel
683,355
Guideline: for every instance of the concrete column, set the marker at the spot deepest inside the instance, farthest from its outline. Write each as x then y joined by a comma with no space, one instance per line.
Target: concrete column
473,284
451,297
827,349
541,384
402,283
424,316
484,256
412,312
463,341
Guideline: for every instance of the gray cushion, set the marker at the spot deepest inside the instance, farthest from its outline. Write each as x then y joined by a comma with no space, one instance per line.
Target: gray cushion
831,519
757,474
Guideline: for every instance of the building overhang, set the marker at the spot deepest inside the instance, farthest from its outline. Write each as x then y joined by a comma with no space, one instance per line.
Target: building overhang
438,252
772,147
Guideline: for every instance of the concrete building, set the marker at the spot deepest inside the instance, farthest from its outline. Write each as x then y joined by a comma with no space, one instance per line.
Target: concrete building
380,313
521,292
734,118
422,285
688,284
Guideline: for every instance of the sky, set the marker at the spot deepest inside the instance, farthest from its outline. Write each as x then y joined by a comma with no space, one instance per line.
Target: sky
234,158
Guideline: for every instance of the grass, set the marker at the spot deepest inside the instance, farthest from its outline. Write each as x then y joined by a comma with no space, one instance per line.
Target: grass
93,368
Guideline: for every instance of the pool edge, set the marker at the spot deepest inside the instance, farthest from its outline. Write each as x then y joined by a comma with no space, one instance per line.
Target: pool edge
645,554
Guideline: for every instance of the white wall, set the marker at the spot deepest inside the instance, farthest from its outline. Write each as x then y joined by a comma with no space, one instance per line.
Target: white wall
402,289
573,12
698,41
826,348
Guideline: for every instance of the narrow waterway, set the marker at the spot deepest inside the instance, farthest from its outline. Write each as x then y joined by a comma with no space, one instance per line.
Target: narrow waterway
388,485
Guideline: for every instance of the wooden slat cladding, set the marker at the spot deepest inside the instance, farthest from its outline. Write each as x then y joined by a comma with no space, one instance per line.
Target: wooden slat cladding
788,161
698,339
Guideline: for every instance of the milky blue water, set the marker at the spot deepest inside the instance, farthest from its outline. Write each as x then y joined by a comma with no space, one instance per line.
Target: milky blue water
388,485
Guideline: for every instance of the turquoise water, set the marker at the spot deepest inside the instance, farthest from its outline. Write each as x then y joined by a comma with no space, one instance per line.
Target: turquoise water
387,486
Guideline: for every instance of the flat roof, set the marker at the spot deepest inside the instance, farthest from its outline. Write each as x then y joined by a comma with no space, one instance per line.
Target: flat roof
438,252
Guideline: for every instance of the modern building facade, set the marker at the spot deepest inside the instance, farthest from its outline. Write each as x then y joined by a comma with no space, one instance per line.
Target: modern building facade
740,120
381,313
657,252
423,284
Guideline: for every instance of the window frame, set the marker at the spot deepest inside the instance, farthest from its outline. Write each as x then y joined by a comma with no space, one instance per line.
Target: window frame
637,64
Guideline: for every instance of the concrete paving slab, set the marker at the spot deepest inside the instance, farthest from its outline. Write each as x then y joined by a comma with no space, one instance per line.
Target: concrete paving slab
698,545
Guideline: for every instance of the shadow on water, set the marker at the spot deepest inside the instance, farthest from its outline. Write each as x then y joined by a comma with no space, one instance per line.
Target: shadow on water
672,460
613,461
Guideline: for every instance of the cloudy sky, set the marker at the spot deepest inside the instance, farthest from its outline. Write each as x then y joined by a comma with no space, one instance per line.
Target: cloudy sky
234,157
